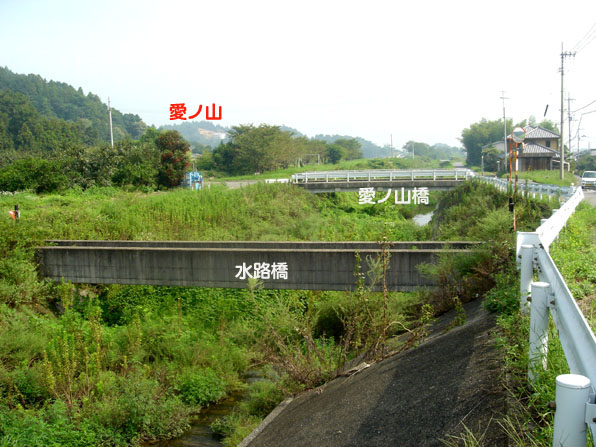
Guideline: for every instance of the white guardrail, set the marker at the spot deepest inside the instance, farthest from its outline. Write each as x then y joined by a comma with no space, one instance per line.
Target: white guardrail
381,174
575,392
535,189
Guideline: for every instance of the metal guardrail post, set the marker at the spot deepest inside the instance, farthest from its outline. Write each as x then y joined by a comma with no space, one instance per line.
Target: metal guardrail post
573,392
527,274
538,328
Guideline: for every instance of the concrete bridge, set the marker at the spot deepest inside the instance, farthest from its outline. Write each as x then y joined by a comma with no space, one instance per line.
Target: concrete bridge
381,179
279,265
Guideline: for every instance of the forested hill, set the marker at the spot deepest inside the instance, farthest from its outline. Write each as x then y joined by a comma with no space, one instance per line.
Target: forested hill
369,149
60,100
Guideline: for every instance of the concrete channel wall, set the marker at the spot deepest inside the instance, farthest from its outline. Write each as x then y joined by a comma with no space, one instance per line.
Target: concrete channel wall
280,265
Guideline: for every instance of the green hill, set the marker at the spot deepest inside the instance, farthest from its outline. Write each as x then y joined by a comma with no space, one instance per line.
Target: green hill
58,100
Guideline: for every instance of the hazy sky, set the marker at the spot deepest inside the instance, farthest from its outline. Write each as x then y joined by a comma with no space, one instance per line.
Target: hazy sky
420,70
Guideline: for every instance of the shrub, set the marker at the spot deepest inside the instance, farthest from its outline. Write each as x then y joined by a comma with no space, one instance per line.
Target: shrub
201,387
263,398
138,408
504,297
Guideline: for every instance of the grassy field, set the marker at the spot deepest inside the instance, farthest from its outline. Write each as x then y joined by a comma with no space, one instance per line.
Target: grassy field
547,177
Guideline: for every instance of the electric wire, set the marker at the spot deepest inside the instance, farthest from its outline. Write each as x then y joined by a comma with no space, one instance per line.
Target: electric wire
581,108
586,39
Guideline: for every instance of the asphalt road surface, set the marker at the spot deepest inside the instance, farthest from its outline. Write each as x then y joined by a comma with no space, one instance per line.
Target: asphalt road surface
590,196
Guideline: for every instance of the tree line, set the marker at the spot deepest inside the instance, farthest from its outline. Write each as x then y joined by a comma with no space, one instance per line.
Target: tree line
256,149
156,160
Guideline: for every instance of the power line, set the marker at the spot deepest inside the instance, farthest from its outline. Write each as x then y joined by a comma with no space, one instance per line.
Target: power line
586,40
587,43
587,105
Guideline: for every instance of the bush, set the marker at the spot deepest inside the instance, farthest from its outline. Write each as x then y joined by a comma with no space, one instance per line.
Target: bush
37,174
504,297
138,408
263,398
201,387
50,427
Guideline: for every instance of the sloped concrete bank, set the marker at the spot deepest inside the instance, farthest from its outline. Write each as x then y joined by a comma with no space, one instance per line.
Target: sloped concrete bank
449,382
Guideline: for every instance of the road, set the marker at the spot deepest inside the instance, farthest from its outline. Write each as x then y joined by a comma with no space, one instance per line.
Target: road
590,196
232,184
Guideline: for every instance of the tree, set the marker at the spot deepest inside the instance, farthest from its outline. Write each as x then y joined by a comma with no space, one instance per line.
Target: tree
351,148
172,148
206,162
549,125
419,149
257,149
25,140
479,135
137,164
334,153
491,157
586,163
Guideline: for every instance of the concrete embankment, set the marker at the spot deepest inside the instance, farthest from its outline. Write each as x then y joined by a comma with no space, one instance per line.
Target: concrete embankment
416,398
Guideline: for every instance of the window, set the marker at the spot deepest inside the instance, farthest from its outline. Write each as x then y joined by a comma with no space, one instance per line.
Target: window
547,144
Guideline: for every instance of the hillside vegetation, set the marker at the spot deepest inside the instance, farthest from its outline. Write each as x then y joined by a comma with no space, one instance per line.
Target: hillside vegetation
30,107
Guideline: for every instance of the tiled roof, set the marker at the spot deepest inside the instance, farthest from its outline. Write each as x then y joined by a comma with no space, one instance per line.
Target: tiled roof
534,132
537,150
539,132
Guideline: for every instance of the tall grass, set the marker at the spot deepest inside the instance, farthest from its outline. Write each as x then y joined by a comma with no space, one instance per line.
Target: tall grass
258,212
530,419
117,365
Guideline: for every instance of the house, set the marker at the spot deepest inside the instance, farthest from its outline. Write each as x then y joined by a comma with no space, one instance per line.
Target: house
539,151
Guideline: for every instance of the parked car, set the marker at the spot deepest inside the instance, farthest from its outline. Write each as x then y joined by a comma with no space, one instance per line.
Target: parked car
589,179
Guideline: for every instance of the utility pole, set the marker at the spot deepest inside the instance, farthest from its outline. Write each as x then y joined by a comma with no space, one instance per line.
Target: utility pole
111,131
564,54
503,98
569,119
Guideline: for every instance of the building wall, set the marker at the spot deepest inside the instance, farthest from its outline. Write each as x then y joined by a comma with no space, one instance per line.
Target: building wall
552,143
535,163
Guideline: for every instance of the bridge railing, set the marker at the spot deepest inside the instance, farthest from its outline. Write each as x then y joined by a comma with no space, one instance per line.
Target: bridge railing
381,175
575,394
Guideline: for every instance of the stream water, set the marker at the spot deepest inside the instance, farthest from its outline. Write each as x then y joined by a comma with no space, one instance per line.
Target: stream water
199,434
423,219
